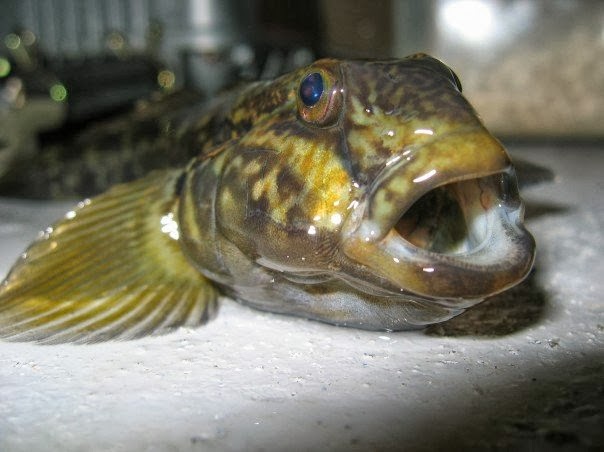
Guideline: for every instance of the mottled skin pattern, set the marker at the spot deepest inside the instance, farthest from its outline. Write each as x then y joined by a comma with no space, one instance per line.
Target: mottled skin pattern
166,130
288,194
360,193
79,162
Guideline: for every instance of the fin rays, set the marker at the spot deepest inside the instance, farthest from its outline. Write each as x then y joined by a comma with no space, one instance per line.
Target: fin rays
106,271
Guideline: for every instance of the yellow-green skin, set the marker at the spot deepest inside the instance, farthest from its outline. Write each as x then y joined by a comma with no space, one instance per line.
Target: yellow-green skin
380,203
294,216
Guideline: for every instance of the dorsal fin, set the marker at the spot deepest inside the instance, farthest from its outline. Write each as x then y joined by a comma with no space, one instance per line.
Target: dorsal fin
111,269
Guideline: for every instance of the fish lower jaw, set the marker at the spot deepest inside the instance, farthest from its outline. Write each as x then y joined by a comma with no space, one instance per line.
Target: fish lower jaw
458,244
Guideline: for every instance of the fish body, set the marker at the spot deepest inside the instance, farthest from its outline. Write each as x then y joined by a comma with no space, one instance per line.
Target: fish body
359,193
76,162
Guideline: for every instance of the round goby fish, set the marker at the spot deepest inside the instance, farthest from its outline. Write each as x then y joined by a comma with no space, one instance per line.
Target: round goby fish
359,193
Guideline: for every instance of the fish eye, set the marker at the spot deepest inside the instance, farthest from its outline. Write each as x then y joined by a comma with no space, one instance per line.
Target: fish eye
311,89
320,97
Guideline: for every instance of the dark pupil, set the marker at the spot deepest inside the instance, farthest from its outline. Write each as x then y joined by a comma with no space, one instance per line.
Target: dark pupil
311,89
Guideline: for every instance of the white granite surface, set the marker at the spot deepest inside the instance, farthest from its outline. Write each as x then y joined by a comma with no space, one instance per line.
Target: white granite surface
523,371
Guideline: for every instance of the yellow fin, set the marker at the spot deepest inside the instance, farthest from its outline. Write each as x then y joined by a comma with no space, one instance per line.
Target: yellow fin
111,269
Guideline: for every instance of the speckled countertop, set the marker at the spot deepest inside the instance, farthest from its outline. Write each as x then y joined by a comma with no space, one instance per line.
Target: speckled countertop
523,371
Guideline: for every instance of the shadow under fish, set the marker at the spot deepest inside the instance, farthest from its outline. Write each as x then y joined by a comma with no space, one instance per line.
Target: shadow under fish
513,310
359,193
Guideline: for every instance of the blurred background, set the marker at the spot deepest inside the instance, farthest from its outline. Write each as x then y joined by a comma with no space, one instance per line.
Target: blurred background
87,89
534,70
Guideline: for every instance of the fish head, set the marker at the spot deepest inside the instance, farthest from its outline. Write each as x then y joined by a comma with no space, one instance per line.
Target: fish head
440,216
379,174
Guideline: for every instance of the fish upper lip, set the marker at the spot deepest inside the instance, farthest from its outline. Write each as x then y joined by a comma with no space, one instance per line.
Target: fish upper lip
429,178
502,260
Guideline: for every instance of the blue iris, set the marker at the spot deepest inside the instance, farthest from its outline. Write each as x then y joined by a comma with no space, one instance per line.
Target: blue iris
311,89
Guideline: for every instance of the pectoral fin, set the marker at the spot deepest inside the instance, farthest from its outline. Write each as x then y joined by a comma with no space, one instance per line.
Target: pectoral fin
111,269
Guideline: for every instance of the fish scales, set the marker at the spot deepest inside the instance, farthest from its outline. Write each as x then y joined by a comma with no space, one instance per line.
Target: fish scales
359,193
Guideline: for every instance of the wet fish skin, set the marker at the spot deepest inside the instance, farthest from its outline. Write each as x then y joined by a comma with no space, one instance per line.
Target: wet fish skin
299,182
320,207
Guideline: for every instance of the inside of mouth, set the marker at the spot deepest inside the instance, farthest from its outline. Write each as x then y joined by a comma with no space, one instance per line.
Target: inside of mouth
449,219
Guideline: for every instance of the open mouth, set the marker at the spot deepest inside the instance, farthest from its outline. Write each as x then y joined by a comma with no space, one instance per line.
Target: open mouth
453,219
436,223
457,240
